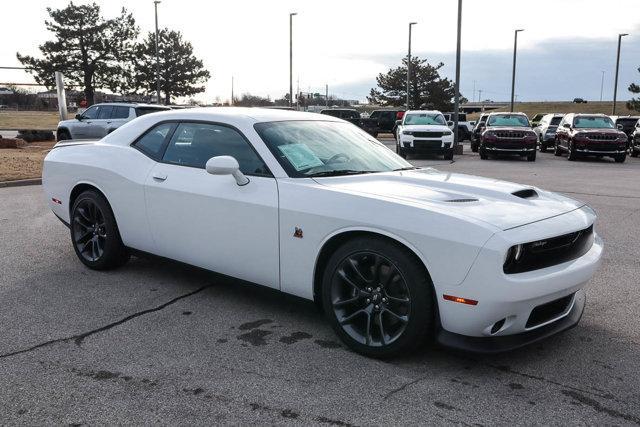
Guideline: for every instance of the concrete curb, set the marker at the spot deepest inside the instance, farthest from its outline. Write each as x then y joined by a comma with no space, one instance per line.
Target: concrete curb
21,182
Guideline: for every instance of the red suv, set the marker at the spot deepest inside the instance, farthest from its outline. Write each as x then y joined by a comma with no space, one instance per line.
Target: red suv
508,133
590,135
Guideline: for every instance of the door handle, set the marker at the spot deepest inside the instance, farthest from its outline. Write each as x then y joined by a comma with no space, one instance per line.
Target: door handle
159,176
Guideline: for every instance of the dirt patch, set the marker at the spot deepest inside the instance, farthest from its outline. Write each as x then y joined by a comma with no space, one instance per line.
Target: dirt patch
23,163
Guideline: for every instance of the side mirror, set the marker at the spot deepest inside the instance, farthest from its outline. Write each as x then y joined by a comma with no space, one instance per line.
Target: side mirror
79,117
566,125
449,123
398,122
226,165
620,127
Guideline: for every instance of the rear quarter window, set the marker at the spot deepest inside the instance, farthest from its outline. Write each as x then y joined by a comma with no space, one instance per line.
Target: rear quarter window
152,142
141,111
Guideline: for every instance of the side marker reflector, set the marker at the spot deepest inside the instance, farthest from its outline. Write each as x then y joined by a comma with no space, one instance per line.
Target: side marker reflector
460,300
54,200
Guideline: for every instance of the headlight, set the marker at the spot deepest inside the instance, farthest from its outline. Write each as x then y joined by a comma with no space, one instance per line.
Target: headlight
447,132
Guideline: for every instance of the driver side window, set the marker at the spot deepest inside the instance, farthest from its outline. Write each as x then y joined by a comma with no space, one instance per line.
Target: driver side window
90,113
193,144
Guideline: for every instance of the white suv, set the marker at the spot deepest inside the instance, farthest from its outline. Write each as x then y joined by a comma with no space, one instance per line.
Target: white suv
101,119
424,132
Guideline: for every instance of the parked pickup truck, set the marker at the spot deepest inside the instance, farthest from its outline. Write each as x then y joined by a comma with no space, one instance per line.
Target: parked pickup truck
465,127
626,124
379,121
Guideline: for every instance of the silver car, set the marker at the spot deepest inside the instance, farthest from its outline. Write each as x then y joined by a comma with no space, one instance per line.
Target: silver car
546,130
100,119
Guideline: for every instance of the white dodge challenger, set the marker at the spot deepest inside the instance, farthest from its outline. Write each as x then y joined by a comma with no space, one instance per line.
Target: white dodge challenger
315,207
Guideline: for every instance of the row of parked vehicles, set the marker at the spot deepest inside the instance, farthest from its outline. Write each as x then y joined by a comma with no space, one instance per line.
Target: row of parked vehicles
574,134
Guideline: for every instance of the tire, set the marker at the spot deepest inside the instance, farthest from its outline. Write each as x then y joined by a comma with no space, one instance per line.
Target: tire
483,154
633,152
94,233
474,147
572,153
531,157
556,150
448,155
543,147
402,153
63,135
350,291
620,158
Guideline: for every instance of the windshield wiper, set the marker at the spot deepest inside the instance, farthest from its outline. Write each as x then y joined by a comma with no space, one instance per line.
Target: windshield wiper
408,168
338,173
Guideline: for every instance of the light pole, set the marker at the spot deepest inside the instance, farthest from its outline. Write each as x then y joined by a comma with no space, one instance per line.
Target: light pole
615,85
601,86
456,101
513,73
155,5
409,64
291,15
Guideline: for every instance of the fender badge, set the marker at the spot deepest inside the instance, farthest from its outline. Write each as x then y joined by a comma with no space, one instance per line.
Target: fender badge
297,233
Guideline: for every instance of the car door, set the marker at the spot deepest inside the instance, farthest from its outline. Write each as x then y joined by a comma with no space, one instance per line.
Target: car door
81,128
209,220
119,116
96,128
562,133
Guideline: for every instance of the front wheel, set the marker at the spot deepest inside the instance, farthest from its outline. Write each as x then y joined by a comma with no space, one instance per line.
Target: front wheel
556,150
377,297
531,157
620,158
483,153
633,152
94,233
448,155
573,154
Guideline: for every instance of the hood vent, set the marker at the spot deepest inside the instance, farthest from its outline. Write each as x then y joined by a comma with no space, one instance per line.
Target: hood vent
461,200
527,193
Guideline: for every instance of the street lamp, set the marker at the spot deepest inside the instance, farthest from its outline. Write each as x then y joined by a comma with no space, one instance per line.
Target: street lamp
513,74
291,15
456,100
409,63
155,5
601,86
615,87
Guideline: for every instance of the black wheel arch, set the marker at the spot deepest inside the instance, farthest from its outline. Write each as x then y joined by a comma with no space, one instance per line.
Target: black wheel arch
336,241
61,130
81,188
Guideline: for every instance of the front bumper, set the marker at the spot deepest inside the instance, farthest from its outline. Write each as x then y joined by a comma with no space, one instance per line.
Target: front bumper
498,344
506,302
510,150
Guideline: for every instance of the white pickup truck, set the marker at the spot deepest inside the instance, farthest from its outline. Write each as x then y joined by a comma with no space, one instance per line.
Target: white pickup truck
465,128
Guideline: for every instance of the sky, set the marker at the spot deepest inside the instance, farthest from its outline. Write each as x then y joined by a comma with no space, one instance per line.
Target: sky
561,54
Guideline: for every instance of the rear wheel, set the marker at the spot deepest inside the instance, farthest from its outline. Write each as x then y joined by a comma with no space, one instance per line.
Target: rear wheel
531,157
556,150
633,152
474,147
378,297
94,233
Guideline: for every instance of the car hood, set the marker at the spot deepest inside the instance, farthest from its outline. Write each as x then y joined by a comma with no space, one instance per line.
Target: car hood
509,128
426,128
599,130
66,122
500,203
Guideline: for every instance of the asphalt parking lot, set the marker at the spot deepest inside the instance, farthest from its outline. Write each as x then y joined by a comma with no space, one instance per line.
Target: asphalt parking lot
159,342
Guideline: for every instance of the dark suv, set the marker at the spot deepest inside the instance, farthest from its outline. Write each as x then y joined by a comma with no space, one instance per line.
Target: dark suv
626,124
508,133
477,131
634,145
590,135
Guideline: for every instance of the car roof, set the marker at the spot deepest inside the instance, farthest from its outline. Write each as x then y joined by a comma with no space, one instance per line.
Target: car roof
422,112
134,105
508,113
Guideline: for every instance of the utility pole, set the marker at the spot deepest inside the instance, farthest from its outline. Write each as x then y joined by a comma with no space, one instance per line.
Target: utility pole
232,100
479,95
409,65
456,103
615,87
513,73
473,98
601,86
326,95
155,4
291,15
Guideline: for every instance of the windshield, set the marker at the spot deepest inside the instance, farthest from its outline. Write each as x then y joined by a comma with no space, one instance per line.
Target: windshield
318,148
424,119
555,121
513,120
593,122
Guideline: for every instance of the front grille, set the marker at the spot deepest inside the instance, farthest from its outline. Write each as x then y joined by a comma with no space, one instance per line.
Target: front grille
509,145
428,134
602,136
427,145
594,146
548,252
549,311
509,134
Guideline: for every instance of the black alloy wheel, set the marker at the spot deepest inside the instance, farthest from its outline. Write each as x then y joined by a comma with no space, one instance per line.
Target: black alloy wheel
378,302
94,233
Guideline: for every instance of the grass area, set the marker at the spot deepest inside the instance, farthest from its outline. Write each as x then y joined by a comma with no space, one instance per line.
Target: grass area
532,108
41,120
23,163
